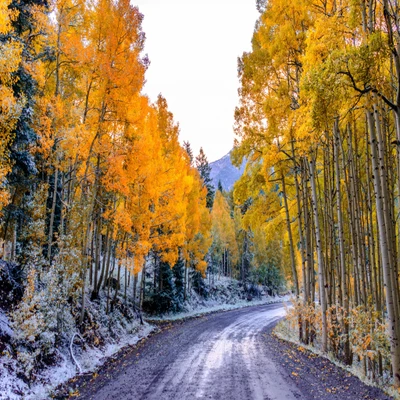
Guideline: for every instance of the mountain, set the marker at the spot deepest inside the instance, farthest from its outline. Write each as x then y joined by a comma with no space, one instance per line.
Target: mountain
223,170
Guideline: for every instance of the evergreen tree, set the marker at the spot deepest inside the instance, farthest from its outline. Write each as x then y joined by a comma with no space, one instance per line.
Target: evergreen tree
189,151
204,169
27,29
179,275
198,283
167,294
220,188
162,298
261,6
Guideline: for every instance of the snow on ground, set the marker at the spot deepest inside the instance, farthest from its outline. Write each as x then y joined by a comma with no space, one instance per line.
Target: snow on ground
5,328
224,294
14,388
90,360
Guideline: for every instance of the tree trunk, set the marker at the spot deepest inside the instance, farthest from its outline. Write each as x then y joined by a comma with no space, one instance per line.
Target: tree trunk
289,228
342,262
385,256
53,210
318,243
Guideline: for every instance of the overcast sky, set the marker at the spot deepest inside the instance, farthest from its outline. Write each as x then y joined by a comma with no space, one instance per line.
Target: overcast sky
193,48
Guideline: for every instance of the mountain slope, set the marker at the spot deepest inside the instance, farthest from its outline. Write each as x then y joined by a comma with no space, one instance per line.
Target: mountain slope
223,170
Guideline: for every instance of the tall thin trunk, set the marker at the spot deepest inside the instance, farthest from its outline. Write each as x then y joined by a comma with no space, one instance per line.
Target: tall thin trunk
318,244
385,255
98,243
84,266
387,213
185,282
135,280
114,301
345,294
289,228
53,210
126,284
142,288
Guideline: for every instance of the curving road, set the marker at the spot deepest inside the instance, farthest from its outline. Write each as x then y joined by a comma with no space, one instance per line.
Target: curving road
221,356
228,355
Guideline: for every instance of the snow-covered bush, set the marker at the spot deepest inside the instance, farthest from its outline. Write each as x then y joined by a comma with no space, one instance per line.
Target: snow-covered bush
36,319
33,326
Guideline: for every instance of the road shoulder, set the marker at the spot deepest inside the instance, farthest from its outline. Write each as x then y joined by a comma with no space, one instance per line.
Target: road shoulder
316,377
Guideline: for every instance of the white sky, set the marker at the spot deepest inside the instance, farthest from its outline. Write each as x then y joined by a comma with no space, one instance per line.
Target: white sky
193,48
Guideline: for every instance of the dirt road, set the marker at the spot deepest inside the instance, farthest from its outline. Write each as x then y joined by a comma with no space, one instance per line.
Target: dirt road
228,355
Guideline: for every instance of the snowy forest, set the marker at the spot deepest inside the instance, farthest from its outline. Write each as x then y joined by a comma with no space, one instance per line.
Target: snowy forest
108,222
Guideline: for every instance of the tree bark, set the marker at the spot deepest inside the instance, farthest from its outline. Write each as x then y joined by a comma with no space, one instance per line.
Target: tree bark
318,243
345,294
289,228
385,256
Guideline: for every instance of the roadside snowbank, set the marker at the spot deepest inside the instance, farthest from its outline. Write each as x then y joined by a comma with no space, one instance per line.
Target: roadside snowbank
14,388
223,294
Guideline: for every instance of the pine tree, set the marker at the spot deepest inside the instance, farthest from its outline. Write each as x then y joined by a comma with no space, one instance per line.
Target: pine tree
164,298
11,105
189,151
204,169
179,275
198,283
26,28
261,6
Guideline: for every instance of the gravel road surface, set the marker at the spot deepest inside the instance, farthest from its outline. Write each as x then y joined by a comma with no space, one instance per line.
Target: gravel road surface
230,355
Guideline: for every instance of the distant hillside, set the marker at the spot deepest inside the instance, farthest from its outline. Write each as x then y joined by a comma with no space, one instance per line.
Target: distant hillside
223,170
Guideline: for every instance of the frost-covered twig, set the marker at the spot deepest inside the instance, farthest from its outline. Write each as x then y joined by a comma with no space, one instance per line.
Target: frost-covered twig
72,353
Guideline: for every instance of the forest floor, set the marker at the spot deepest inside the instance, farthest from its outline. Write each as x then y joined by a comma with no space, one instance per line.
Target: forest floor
230,355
